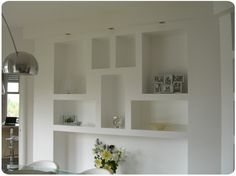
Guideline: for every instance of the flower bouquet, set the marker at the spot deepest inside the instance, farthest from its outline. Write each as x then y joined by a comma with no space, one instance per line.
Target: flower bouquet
107,156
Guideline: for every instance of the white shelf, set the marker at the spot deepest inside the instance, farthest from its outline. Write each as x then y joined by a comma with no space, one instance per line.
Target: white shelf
73,97
116,79
120,71
121,132
152,97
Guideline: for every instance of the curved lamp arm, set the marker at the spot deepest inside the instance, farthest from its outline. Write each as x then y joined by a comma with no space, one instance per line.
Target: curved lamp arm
10,33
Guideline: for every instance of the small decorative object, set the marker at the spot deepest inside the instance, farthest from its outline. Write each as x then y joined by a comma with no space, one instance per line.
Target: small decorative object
70,120
168,83
116,121
108,156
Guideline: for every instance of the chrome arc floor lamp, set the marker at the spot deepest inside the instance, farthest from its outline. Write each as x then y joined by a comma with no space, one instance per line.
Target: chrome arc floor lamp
18,63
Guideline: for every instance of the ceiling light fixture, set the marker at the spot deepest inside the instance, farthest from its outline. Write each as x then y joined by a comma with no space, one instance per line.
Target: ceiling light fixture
19,62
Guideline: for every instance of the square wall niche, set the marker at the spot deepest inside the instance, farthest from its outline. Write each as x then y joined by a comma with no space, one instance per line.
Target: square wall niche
159,115
84,111
69,68
100,53
112,100
163,52
125,51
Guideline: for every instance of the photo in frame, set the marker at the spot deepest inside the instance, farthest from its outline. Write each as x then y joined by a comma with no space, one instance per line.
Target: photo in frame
159,78
167,89
168,79
157,87
178,78
177,87
168,83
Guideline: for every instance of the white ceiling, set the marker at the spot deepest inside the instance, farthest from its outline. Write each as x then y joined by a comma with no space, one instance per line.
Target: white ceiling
45,16
44,12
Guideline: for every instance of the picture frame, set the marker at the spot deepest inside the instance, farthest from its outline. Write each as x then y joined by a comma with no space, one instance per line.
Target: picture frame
178,78
168,79
178,87
159,78
157,87
167,89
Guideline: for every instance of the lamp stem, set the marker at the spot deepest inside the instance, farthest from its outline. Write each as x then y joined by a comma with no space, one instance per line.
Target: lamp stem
10,34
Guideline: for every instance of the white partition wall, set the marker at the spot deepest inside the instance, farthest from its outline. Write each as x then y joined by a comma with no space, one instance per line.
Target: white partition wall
43,102
204,142
164,133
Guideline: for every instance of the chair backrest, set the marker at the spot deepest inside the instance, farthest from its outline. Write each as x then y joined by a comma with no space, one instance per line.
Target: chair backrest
43,165
96,171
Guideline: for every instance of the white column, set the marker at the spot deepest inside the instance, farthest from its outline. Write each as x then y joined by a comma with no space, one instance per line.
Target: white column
227,95
43,105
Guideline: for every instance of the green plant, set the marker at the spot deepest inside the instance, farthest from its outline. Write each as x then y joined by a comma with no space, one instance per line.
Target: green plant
107,156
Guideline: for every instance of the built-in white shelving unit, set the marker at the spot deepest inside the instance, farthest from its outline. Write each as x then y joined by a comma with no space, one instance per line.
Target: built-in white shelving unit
115,78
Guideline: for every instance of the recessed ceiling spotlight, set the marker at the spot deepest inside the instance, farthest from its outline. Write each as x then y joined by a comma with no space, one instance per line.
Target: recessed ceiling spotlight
67,33
162,22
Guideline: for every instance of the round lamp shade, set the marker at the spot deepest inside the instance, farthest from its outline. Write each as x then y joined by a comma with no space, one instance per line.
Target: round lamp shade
21,63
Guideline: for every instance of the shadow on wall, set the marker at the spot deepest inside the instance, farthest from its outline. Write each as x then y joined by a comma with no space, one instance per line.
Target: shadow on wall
131,162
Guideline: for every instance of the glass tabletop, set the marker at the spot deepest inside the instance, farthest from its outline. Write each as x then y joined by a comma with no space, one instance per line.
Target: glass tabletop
36,170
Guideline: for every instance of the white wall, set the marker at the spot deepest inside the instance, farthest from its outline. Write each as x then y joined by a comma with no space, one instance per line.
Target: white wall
204,97
204,142
145,155
75,154
227,95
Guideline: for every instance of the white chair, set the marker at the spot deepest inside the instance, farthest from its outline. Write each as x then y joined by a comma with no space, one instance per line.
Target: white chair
43,165
96,171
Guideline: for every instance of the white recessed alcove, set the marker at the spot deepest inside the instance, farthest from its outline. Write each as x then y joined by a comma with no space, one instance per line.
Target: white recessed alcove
69,68
84,110
163,52
112,99
160,115
100,53
125,51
